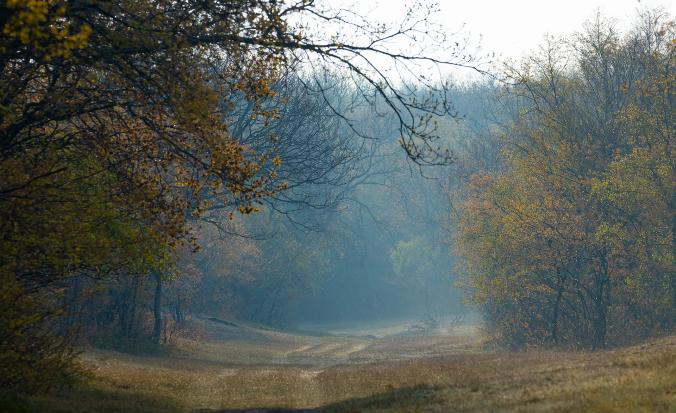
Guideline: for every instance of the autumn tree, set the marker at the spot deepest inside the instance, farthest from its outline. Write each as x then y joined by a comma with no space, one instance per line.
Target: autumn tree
572,244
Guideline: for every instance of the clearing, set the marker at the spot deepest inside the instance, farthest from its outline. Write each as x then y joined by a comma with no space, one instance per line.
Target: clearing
245,368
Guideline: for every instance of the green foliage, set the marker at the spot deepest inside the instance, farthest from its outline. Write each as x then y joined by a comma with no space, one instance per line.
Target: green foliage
414,258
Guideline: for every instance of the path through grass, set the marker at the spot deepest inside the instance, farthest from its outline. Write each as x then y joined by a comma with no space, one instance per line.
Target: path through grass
264,370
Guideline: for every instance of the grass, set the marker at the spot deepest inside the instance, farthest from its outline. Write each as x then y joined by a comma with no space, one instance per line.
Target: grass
637,379
338,374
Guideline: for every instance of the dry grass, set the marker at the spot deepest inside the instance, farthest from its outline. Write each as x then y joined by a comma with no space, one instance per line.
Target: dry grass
343,374
629,380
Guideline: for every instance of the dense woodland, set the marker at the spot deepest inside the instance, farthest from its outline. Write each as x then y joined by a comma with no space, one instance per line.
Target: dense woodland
163,160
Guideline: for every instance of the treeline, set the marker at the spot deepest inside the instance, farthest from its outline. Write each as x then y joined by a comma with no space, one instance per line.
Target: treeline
568,239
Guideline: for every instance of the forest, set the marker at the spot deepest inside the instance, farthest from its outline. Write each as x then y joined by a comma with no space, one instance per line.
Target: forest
293,206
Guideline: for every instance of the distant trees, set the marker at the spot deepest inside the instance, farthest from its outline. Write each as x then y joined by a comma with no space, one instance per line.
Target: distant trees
418,264
572,242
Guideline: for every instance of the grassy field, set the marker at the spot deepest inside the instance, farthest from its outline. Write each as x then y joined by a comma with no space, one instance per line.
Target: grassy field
244,369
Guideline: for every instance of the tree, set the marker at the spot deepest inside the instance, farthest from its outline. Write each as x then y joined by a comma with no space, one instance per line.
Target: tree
561,247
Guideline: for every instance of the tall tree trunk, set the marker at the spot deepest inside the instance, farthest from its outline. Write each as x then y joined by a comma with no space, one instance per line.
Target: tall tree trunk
178,311
672,210
557,308
601,301
131,330
600,323
122,304
157,330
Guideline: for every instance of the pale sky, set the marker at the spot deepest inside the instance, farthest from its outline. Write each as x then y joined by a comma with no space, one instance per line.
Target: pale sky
512,28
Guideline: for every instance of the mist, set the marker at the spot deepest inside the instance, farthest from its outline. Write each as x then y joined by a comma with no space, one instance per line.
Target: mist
318,206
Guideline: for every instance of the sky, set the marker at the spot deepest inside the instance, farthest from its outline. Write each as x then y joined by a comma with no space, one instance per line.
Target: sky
511,28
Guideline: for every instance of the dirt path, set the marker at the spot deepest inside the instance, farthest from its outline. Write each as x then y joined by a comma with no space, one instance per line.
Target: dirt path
238,344
268,371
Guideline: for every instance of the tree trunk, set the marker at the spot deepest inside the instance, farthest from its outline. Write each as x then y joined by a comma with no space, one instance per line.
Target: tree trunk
122,304
178,311
601,303
557,308
600,323
157,330
132,331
